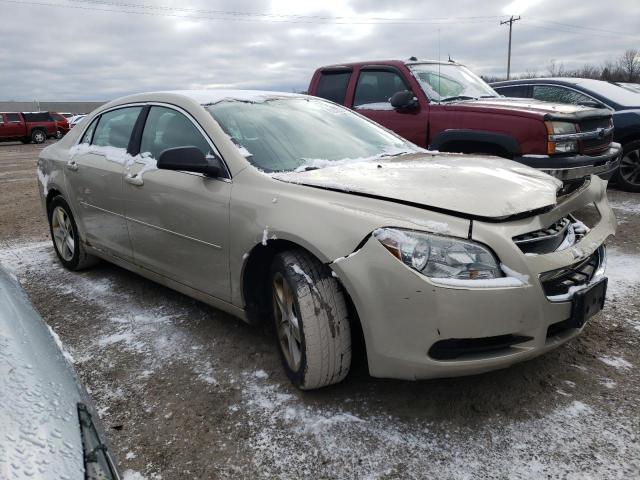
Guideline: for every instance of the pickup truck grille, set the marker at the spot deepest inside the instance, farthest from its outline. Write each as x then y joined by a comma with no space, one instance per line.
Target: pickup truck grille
596,145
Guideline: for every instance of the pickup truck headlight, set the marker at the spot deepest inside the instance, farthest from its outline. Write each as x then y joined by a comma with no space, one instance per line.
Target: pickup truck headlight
437,256
561,146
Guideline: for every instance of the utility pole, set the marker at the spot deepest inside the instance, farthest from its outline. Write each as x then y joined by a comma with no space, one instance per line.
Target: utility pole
510,22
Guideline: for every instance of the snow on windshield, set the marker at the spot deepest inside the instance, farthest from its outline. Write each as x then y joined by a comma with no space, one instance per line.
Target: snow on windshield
285,134
443,81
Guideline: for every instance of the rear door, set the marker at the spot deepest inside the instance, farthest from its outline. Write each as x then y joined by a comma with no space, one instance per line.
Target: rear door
94,176
178,221
374,87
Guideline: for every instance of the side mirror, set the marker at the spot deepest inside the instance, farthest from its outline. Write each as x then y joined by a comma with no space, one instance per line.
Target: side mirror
188,159
404,100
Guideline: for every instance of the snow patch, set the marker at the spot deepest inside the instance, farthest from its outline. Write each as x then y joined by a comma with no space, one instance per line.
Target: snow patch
64,351
296,268
265,235
616,362
375,106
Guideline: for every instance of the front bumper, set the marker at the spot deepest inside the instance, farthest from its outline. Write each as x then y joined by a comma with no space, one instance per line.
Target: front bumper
567,168
403,314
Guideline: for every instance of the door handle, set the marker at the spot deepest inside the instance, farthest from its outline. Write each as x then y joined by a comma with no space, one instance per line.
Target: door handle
134,179
72,165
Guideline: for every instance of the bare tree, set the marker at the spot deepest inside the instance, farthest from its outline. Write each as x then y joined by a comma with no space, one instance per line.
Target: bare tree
530,73
630,64
555,69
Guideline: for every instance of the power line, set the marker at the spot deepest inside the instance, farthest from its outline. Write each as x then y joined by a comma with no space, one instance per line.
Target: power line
238,16
510,22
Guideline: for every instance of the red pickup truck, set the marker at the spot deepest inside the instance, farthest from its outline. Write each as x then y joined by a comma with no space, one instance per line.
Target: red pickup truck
27,127
444,106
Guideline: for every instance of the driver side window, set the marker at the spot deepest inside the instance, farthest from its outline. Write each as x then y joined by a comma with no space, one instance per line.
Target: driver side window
375,88
167,128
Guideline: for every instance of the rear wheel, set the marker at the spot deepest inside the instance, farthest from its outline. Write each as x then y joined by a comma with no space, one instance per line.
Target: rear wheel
311,322
628,175
38,136
66,241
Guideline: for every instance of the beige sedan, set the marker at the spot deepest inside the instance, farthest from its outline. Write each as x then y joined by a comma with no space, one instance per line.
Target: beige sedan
293,210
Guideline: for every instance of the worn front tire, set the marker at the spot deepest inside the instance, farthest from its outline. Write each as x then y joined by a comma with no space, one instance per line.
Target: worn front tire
311,320
64,233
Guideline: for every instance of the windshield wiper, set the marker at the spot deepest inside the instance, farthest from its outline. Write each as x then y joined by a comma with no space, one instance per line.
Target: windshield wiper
458,97
386,155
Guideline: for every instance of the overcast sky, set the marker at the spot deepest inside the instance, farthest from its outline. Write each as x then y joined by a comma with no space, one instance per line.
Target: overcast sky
102,49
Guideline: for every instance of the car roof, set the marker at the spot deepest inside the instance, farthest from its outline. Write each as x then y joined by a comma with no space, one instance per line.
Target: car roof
207,97
394,63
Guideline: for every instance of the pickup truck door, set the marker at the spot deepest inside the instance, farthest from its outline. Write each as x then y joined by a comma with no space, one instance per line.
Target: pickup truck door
178,221
94,176
374,87
12,125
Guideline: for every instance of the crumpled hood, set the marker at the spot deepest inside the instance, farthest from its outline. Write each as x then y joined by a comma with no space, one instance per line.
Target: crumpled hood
528,106
472,185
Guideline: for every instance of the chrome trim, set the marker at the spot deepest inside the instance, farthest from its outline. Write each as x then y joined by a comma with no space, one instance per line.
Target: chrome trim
213,245
101,209
579,172
592,134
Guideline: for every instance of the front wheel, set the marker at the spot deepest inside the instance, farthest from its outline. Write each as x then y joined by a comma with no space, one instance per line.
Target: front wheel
66,241
59,134
311,321
628,175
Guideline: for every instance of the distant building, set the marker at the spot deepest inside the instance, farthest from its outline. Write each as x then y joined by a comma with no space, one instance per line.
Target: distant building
71,107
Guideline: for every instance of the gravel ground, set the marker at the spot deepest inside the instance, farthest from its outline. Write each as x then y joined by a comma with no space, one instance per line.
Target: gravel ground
186,391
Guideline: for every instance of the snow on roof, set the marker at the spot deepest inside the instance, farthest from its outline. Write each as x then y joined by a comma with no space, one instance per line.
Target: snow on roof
206,97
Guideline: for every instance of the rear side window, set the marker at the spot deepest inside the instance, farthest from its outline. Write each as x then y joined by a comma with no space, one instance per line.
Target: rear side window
520,91
333,86
115,127
12,117
550,93
168,128
38,117
377,87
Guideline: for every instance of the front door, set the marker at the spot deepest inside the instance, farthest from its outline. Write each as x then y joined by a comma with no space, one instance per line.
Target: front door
371,97
94,176
178,221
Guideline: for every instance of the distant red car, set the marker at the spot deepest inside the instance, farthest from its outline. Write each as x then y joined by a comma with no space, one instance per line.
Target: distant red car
446,107
62,124
33,127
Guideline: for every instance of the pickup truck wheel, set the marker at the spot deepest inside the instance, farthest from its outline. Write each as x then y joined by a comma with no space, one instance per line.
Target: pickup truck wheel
311,322
59,134
628,176
66,241
38,136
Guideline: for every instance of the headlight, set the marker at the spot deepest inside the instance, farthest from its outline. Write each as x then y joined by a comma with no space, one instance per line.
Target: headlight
561,146
440,257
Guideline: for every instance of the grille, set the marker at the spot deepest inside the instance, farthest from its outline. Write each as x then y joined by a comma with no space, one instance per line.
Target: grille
596,145
545,240
560,282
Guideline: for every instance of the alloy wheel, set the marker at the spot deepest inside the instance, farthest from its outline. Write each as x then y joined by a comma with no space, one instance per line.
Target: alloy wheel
630,167
39,137
287,323
63,233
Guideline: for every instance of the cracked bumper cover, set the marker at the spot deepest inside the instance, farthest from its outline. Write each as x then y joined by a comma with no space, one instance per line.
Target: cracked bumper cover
403,314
